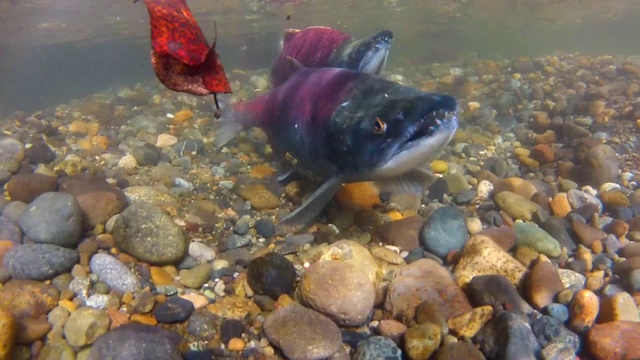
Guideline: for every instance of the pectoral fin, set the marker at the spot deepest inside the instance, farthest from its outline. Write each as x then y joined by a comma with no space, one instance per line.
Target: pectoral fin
414,181
314,204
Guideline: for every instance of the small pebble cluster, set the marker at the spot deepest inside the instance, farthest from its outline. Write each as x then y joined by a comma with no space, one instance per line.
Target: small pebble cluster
125,234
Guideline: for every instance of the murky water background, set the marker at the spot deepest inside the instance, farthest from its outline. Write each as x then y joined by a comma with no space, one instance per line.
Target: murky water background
54,50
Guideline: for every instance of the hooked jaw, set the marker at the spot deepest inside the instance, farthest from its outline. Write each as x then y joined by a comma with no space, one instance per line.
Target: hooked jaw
423,142
375,58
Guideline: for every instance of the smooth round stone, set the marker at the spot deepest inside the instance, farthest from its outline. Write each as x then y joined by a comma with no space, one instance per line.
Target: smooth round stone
114,273
175,309
558,312
53,218
146,155
196,277
531,235
444,231
377,347
39,261
203,324
271,274
137,341
302,333
201,252
85,325
149,234
265,228
339,290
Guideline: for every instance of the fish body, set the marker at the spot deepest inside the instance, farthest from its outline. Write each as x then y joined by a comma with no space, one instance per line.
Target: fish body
348,126
181,57
321,46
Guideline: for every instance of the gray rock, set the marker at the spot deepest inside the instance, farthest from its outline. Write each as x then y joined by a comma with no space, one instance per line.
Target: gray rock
302,334
147,233
137,341
497,291
549,330
506,336
114,273
39,261
377,347
53,218
578,198
444,231
9,230
13,210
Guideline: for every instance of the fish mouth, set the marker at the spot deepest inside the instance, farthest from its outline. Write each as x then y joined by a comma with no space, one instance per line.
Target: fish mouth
375,58
422,142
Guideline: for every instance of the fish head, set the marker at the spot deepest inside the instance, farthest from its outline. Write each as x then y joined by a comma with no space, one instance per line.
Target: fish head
390,133
367,55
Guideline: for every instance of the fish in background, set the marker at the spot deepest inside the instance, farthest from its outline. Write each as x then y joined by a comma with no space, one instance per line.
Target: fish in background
347,126
321,46
181,57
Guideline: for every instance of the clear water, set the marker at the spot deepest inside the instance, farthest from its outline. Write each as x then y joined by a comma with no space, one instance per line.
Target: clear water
52,51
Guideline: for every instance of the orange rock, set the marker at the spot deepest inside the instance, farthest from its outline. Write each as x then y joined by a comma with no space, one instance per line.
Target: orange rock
362,195
68,304
5,246
78,128
100,141
395,215
620,306
618,228
236,344
85,144
159,276
93,129
528,162
547,137
616,340
583,310
182,116
542,153
560,206
144,319
262,171
117,318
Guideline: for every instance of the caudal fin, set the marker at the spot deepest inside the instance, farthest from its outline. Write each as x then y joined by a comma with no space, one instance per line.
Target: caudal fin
228,127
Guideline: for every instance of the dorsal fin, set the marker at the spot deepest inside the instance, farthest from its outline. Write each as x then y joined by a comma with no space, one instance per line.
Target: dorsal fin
289,34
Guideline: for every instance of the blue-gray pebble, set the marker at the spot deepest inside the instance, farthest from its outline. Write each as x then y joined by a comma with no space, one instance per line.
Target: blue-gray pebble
137,341
444,231
39,261
53,218
114,273
377,347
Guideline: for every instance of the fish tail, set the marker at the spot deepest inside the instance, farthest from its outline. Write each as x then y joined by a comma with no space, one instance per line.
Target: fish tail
232,122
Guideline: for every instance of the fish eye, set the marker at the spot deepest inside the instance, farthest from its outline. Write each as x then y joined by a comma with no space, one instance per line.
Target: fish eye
379,126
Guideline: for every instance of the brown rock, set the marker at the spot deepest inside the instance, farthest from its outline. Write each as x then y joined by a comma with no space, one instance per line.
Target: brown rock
618,228
338,290
615,198
587,234
234,307
420,281
482,256
98,199
583,310
517,185
546,137
600,165
428,311
421,341
542,153
625,267
392,329
402,233
543,283
8,333
259,197
31,330
27,187
459,351
616,340
504,236
619,307
28,298
631,250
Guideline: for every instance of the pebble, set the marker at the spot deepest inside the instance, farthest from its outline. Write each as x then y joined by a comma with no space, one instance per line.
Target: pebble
586,233
377,347
531,235
425,280
85,325
444,231
97,198
549,330
53,218
201,252
56,349
558,311
616,337
175,309
8,333
583,310
196,277
401,233
482,256
147,233
39,261
114,273
619,307
271,274
497,291
392,329
422,340
458,351
467,325
578,198
517,206
27,187
571,278
509,337
559,229
265,228
137,341
338,290
203,324
542,284
259,197
303,333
